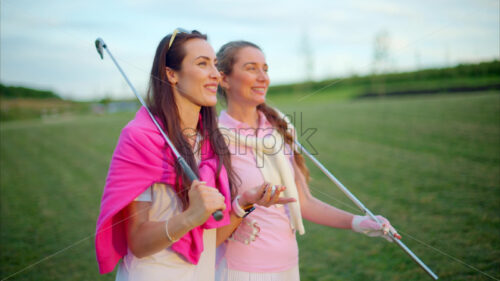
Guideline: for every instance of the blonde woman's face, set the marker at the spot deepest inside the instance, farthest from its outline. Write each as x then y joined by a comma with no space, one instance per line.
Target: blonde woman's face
248,82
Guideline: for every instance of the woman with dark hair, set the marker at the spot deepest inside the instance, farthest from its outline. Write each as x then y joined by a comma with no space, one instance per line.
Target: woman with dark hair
249,123
151,216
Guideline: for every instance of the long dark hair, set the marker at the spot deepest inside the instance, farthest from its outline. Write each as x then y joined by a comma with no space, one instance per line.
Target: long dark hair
226,58
162,104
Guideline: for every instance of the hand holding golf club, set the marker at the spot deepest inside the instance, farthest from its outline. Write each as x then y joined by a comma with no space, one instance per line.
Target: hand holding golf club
366,225
362,207
203,201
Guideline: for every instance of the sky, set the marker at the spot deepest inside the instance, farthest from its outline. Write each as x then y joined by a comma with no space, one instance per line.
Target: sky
50,44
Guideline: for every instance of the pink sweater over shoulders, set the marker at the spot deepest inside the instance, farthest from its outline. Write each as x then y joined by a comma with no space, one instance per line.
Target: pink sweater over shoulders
141,159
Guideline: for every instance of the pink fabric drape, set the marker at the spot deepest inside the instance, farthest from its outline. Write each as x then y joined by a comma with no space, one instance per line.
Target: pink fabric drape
140,159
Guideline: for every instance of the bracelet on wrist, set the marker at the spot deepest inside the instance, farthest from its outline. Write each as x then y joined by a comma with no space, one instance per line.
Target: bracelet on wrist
173,240
239,211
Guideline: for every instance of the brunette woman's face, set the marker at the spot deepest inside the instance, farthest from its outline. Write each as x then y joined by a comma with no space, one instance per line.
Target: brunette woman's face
197,80
248,82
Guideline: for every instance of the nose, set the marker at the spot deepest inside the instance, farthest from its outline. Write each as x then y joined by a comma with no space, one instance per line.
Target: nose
262,76
215,74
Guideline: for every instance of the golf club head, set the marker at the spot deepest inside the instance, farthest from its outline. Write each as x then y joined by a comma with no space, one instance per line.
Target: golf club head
99,45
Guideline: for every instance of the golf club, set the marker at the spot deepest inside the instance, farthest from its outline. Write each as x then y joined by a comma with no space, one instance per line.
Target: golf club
365,210
100,45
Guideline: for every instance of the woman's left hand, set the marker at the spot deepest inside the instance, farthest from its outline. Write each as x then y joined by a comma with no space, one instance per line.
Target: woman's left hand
265,195
366,225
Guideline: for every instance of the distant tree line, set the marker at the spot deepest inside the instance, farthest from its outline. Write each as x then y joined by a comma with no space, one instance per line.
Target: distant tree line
480,74
11,92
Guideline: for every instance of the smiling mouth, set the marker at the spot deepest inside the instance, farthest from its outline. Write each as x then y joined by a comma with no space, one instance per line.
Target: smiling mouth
260,90
211,88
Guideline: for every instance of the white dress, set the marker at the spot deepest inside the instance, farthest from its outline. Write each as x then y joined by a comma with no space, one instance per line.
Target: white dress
167,264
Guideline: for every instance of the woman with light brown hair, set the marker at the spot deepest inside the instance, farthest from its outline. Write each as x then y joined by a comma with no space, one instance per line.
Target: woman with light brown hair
261,145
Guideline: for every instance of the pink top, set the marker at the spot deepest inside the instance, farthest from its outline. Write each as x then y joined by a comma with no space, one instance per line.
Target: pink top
276,247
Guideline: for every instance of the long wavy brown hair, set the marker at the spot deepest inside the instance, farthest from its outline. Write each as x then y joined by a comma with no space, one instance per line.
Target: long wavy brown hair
162,104
226,58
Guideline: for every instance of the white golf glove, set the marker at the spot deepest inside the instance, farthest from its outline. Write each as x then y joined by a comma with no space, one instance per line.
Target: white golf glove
246,232
364,224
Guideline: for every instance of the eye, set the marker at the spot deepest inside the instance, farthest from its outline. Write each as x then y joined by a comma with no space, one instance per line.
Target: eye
202,63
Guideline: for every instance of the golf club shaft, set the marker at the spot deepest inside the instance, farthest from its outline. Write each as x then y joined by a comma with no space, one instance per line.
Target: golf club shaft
217,215
364,209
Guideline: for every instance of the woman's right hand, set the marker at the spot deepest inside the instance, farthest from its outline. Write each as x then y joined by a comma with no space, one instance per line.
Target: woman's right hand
247,232
203,201
264,195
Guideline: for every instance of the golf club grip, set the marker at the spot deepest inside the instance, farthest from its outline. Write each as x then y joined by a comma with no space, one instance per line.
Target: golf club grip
217,215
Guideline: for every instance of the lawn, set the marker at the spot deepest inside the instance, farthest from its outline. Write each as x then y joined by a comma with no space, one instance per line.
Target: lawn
429,163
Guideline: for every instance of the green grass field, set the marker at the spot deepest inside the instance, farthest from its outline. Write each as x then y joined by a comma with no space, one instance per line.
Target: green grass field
429,163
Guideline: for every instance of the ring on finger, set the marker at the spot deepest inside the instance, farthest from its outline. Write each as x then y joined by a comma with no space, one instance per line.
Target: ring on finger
273,190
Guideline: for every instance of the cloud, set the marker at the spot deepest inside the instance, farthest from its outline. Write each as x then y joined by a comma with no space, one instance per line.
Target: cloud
50,42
